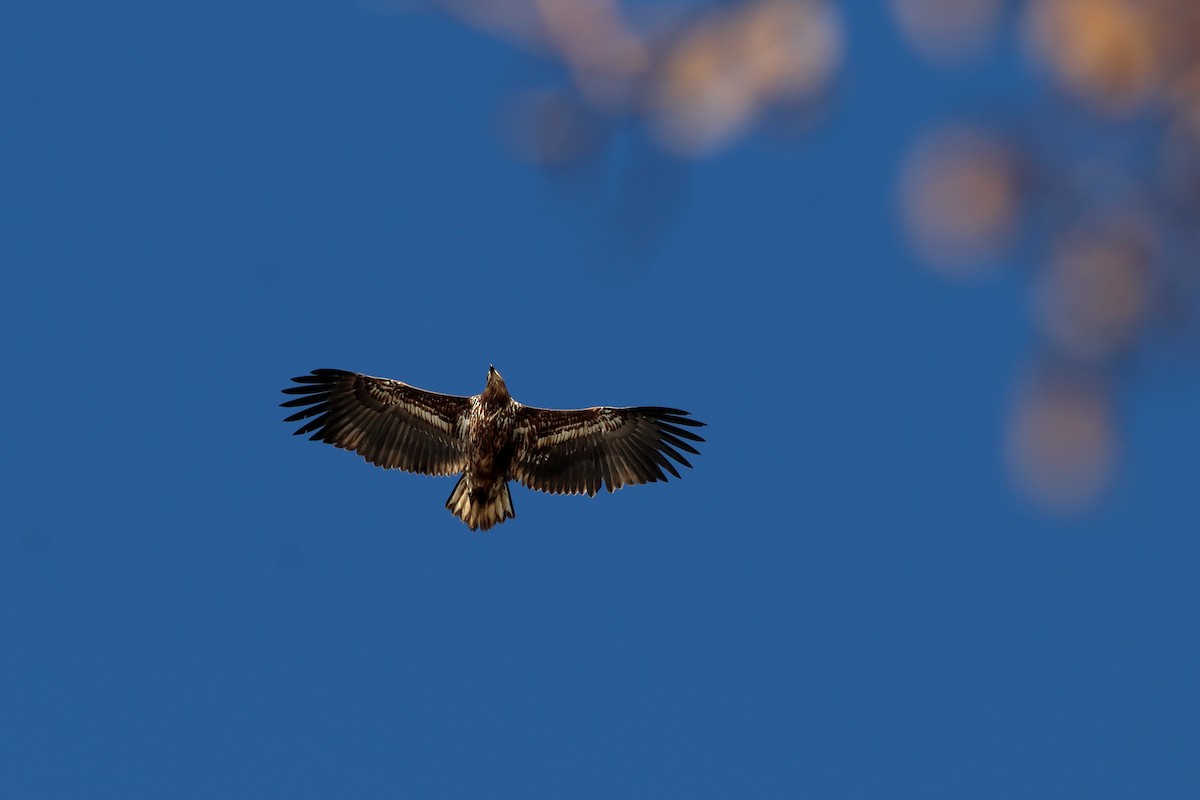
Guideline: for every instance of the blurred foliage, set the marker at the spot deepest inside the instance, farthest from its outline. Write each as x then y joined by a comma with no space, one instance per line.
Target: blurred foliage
1092,187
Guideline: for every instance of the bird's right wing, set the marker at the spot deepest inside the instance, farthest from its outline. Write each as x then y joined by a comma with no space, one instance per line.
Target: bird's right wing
577,451
387,422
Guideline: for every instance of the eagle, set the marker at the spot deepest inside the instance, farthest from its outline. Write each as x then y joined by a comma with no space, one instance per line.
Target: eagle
490,439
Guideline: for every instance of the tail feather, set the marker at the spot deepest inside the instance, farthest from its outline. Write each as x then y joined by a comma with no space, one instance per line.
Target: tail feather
481,508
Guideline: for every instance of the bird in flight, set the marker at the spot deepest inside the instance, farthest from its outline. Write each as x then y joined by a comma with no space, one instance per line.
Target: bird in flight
490,438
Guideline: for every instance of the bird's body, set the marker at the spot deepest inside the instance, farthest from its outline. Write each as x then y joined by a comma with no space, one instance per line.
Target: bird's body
490,438
481,497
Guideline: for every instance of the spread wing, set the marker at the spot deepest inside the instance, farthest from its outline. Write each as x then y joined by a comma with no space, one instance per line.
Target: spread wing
387,422
574,452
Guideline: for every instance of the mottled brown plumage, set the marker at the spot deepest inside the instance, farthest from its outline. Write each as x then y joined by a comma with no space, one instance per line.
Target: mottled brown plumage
491,439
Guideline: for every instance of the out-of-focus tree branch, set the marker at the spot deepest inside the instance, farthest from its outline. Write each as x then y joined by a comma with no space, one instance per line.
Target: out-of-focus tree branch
1092,187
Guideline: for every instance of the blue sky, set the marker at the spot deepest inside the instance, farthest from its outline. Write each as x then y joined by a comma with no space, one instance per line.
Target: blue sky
845,598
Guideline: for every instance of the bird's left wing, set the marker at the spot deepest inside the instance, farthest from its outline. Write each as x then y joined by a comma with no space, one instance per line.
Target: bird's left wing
387,422
577,451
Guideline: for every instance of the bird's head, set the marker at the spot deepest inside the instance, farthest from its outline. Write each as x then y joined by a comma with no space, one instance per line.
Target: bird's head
495,384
